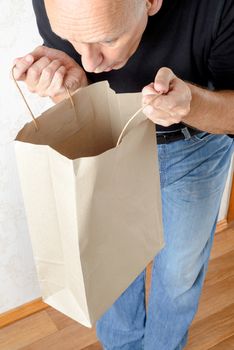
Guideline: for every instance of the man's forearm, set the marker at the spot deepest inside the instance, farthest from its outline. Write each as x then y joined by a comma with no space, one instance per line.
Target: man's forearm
211,111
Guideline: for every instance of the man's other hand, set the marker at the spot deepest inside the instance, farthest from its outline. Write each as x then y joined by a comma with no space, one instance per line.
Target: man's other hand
46,71
174,102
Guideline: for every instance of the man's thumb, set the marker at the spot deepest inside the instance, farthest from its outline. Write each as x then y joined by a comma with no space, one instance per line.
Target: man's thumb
163,79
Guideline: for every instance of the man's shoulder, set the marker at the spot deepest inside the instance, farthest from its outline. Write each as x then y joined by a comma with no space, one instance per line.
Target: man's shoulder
215,7
39,8
38,3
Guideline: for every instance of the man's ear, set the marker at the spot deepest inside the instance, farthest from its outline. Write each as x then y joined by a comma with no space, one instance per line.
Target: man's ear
153,6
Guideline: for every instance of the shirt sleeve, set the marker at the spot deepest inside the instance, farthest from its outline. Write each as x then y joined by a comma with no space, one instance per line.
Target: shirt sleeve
221,58
50,39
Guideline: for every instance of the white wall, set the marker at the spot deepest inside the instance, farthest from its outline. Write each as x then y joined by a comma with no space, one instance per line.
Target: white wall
18,282
18,35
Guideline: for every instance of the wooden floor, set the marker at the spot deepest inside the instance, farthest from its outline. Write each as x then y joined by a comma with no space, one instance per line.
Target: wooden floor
212,328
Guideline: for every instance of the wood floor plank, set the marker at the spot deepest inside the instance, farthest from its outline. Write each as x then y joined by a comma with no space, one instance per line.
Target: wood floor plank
61,321
215,298
26,331
212,330
223,243
227,344
96,346
220,268
74,337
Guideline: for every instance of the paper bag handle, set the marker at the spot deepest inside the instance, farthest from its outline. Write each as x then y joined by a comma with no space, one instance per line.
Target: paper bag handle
29,109
134,116
72,103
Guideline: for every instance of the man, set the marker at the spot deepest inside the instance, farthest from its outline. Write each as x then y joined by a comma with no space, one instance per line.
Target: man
185,51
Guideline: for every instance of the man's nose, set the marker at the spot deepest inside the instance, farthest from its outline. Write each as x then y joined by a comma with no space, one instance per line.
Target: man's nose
91,57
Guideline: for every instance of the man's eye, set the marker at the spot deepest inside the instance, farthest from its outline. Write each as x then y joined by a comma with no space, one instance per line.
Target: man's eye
109,42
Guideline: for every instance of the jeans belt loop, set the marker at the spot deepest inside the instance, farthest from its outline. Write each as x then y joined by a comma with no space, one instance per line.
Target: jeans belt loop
186,133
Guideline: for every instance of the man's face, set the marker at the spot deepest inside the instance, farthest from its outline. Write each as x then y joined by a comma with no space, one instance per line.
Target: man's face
105,33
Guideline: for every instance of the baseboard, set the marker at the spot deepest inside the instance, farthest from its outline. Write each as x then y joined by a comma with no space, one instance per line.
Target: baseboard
38,305
20,312
221,225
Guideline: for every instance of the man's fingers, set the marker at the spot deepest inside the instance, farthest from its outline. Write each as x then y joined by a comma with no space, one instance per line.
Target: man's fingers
158,116
163,79
56,87
52,54
39,52
22,64
46,71
149,90
150,95
73,79
34,72
47,75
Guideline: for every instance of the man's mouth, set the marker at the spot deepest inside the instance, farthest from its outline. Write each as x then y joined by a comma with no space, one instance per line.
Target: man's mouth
113,66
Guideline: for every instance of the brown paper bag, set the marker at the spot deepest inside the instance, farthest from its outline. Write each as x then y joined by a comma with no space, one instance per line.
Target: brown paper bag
93,208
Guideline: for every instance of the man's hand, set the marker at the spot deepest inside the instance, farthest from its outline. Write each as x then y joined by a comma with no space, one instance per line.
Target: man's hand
174,103
46,71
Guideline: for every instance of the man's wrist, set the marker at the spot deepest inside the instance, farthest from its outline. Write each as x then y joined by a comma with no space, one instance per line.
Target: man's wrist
211,111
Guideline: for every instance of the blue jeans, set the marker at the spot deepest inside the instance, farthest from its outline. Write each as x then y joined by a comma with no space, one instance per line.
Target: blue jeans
193,173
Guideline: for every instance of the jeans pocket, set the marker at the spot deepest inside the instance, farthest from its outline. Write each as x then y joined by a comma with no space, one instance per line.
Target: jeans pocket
200,137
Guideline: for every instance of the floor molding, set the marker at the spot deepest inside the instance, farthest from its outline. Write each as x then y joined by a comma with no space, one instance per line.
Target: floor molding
230,214
38,305
22,311
221,225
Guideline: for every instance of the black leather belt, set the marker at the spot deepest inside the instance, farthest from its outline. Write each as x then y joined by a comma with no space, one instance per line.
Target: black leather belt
171,136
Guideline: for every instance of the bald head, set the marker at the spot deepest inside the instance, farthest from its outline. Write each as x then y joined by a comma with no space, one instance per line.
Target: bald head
104,32
110,5
95,14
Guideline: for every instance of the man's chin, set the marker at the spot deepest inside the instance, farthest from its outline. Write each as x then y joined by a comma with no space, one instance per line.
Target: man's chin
119,66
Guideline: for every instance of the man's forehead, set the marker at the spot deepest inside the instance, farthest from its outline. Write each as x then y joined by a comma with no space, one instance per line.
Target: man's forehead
81,7
104,18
